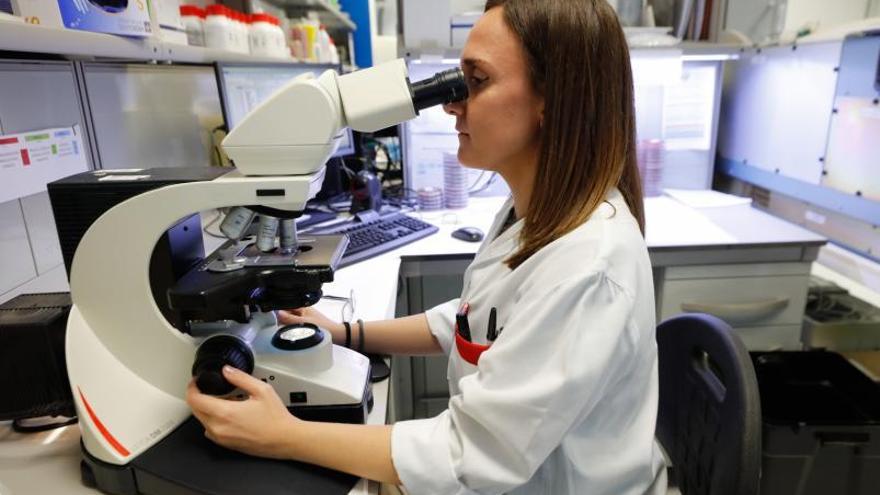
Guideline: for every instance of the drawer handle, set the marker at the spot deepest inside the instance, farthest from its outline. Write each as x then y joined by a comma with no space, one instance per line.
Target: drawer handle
738,312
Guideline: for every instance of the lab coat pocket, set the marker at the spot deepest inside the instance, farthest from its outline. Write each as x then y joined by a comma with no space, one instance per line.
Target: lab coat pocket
469,351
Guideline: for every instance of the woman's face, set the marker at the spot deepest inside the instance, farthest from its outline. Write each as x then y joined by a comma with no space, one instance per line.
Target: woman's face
499,123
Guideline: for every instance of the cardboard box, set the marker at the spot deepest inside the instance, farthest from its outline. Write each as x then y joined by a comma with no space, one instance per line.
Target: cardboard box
124,17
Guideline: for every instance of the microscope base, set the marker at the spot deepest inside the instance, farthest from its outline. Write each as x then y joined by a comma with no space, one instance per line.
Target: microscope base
187,463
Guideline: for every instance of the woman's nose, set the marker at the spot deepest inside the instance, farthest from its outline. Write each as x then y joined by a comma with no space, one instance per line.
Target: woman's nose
456,108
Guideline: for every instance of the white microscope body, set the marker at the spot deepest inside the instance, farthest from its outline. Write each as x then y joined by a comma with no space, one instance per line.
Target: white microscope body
128,366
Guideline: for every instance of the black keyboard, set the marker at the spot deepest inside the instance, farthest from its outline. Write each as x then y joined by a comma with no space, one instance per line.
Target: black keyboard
372,237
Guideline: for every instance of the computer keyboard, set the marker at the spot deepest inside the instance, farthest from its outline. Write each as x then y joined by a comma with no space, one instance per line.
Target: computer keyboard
372,237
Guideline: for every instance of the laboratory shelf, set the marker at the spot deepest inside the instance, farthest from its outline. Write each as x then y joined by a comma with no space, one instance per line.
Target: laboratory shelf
330,16
30,38
173,52
689,50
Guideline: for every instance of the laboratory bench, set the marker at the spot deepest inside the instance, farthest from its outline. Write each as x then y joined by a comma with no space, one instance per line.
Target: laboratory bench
733,259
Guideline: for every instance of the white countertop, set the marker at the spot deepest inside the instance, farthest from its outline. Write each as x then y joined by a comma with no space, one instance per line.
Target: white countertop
49,462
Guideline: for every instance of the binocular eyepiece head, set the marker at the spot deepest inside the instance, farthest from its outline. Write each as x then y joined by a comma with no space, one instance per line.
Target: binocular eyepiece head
444,87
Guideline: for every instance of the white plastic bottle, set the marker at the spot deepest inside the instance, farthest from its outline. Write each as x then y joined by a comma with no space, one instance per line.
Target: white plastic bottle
194,22
236,30
243,29
325,44
261,32
219,29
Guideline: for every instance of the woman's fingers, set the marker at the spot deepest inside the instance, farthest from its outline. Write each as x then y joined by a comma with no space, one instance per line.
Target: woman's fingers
244,381
290,316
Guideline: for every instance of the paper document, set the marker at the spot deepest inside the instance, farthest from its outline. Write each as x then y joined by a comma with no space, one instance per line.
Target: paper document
688,110
30,160
704,198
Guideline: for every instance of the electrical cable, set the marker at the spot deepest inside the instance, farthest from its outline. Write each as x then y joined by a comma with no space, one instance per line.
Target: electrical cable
214,220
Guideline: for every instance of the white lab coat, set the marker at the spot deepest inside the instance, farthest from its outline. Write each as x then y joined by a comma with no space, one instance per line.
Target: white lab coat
565,400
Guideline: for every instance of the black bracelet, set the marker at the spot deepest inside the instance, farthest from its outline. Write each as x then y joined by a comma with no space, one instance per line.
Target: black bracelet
361,336
347,333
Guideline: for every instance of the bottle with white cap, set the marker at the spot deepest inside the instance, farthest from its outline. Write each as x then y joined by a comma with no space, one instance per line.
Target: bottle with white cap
241,32
262,33
219,29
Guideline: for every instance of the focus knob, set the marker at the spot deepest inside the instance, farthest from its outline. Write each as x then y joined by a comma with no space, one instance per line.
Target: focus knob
212,355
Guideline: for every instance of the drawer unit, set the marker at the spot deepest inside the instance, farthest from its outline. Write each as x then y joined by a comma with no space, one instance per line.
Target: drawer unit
765,301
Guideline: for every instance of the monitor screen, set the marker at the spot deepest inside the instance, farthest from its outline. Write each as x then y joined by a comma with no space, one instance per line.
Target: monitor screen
243,86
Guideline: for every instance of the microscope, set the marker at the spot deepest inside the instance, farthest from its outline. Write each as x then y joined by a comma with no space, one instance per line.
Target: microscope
129,364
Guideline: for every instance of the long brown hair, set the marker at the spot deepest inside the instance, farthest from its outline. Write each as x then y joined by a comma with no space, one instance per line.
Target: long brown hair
579,61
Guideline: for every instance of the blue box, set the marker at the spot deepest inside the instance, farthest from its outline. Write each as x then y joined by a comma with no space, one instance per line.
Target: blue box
124,17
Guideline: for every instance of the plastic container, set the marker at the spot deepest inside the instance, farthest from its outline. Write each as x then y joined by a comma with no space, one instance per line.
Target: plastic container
193,19
264,35
430,198
821,429
239,33
220,29
244,26
651,155
455,182
257,35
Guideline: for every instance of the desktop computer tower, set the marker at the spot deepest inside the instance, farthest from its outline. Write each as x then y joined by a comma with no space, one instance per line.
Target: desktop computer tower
78,200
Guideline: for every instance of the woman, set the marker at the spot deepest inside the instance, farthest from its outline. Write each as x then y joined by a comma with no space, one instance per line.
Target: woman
564,400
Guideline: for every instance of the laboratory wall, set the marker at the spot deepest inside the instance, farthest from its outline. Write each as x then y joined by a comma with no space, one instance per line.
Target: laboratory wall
799,130
819,13
766,20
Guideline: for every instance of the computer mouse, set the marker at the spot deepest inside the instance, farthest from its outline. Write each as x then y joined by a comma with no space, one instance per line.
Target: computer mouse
469,234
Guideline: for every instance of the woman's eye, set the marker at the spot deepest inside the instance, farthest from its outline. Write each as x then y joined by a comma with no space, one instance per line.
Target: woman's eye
476,81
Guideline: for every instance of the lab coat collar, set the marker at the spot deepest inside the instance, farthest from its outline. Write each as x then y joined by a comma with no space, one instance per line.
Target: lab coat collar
499,246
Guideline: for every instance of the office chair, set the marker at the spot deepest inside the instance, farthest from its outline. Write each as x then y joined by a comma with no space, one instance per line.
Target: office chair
709,417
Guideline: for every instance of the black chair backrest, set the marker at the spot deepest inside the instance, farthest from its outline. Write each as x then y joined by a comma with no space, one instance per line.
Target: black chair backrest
709,418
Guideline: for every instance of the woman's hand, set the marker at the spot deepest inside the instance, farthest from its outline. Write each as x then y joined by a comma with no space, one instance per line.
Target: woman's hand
312,315
259,425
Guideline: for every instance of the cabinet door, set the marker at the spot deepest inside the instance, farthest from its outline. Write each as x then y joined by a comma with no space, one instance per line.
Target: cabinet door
43,235
420,386
16,262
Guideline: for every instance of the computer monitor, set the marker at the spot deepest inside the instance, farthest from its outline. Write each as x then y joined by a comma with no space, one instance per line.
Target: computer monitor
243,86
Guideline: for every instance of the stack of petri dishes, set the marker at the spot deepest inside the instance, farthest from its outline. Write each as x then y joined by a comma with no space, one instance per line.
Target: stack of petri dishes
455,182
430,198
651,155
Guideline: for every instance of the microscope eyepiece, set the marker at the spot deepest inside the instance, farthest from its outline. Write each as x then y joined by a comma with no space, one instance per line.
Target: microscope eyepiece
444,87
